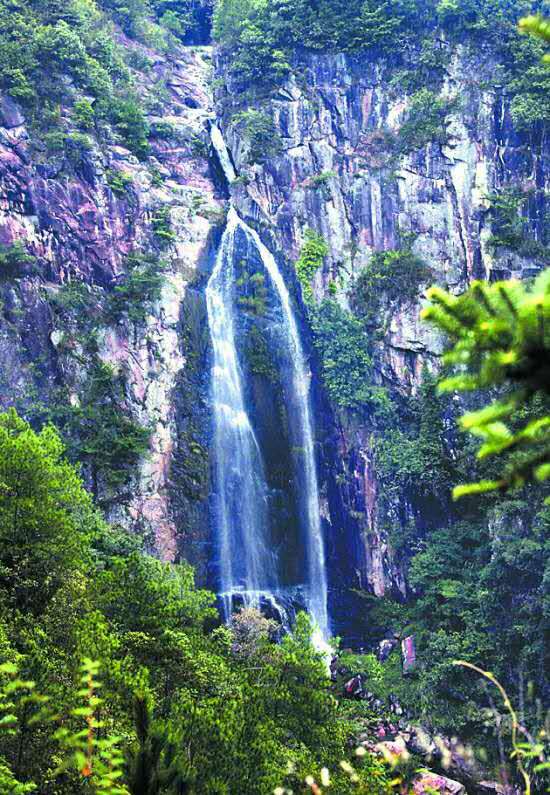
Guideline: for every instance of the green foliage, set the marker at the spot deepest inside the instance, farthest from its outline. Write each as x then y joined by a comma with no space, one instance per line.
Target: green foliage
259,132
119,182
42,504
162,227
261,37
312,256
341,343
84,114
500,337
393,277
413,459
183,706
453,612
322,181
253,292
426,121
48,48
98,759
140,288
14,261
538,26
531,76
130,122
258,355
508,225
102,434
262,40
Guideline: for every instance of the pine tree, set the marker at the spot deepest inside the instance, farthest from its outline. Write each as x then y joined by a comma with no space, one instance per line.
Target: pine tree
501,340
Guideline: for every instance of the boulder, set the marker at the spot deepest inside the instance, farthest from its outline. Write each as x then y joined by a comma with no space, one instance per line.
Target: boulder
10,113
430,783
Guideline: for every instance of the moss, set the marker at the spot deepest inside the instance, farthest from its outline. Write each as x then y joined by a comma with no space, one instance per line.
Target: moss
253,297
258,355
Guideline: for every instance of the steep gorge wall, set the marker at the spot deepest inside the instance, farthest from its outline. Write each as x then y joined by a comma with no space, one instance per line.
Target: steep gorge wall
342,170
80,224
338,168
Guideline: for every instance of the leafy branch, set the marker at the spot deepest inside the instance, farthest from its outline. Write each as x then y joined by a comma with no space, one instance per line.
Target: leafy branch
537,25
501,339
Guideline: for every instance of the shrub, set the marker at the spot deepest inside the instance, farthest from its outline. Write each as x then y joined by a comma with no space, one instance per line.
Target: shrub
119,181
394,276
312,255
110,441
346,367
510,228
260,133
84,114
14,260
162,226
141,287
426,121
132,125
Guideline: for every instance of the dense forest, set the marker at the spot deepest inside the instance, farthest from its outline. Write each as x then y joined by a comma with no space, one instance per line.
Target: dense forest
274,422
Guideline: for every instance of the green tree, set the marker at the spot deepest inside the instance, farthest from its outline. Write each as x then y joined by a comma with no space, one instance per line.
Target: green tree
45,515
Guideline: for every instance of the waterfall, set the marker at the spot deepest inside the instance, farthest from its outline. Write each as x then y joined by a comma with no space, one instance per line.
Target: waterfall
247,564
222,151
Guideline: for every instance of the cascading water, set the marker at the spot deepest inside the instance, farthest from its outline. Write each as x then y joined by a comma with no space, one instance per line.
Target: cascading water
246,562
248,566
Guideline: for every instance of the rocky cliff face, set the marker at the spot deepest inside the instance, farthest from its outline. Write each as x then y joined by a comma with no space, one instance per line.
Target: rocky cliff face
80,221
345,169
338,164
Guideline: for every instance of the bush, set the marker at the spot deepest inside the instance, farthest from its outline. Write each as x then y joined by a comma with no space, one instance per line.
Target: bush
140,289
132,125
312,255
162,227
510,227
14,261
392,276
100,431
426,121
84,114
260,133
120,182
346,367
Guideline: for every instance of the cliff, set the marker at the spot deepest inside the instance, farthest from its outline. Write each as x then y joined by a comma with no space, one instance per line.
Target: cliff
62,318
339,148
352,159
